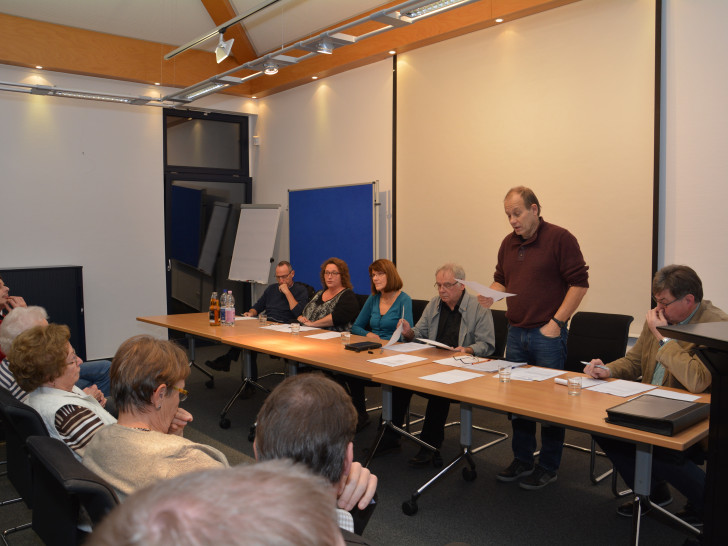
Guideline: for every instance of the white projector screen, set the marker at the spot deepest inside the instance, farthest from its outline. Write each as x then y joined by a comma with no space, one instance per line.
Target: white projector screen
562,102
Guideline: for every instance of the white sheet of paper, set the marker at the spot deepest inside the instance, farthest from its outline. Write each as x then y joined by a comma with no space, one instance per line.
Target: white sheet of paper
397,360
246,318
535,373
286,328
406,347
623,388
395,336
492,366
452,376
483,290
435,343
325,335
675,395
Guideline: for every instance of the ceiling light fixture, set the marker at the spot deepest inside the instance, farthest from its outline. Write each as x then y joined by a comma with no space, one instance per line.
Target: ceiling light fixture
222,51
499,20
220,28
430,8
325,47
39,67
270,68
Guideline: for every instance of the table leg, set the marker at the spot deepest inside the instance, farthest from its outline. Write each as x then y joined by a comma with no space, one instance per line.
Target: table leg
387,424
191,355
469,474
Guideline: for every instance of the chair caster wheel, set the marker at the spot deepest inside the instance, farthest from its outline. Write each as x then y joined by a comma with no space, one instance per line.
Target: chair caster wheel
210,384
251,434
469,474
224,422
409,507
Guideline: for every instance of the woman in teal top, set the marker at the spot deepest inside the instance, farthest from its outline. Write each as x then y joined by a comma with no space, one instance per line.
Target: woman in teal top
378,320
383,310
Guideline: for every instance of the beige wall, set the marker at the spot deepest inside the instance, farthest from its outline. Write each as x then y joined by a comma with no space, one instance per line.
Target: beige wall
562,102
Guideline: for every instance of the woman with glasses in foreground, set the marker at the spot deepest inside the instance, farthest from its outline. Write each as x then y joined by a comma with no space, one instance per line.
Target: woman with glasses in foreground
335,306
146,444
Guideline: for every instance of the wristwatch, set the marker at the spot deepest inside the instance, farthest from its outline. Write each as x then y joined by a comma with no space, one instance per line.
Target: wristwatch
561,323
664,341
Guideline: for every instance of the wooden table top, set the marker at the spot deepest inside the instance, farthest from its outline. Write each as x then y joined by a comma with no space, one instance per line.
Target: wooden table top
322,353
542,400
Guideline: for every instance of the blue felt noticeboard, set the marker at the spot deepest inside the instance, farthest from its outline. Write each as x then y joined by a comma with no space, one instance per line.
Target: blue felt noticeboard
332,222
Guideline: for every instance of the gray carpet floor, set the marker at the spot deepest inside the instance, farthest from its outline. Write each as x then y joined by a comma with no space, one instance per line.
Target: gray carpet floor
454,511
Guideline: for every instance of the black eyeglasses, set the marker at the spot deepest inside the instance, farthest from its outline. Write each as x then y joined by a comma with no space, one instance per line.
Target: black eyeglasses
663,304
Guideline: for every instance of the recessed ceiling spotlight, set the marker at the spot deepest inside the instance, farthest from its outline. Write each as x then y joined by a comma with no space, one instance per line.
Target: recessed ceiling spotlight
254,97
392,52
39,67
314,77
499,20
157,83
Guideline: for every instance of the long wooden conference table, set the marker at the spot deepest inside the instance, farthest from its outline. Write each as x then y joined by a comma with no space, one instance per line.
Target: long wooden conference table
544,401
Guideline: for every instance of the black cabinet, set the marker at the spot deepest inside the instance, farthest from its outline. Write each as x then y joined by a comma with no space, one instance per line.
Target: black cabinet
59,289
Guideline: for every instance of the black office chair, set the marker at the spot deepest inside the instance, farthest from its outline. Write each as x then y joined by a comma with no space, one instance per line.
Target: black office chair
500,327
61,486
603,336
21,422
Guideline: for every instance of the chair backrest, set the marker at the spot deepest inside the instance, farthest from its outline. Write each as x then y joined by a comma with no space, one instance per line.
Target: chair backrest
21,421
596,335
500,327
61,485
418,307
362,299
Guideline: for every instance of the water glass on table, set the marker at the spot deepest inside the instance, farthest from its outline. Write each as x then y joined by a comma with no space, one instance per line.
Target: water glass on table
262,319
574,385
504,373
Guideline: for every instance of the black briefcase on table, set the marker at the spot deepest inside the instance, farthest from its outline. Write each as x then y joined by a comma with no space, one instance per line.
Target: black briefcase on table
362,346
666,416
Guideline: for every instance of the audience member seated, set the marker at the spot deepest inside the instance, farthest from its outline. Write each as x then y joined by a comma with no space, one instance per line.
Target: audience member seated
275,503
45,365
454,318
7,304
378,320
21,319
658,360
146,444
310,419
282,302
335,307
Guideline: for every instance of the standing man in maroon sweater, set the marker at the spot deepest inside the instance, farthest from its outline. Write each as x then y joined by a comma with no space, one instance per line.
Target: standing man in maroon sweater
542,264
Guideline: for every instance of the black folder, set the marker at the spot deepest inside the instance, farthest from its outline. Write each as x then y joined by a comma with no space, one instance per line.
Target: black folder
666,416
362,346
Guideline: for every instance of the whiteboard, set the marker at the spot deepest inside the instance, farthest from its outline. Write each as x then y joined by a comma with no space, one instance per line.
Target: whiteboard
254,243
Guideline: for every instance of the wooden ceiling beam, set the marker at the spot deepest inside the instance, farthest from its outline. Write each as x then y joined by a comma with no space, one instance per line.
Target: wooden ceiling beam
221,11
26,42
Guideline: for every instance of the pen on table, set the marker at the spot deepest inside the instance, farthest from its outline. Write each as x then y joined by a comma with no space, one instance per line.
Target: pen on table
595,365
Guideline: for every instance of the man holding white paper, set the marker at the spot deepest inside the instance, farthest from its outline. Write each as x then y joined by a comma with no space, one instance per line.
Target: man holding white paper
541,264
678,294
455,319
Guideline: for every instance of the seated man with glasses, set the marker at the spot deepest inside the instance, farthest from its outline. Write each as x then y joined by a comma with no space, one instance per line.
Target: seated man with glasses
283,302
678,292
454,318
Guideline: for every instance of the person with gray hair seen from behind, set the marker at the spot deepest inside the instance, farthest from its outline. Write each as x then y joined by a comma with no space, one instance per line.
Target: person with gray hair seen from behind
454,318
23,318
311,419
276,503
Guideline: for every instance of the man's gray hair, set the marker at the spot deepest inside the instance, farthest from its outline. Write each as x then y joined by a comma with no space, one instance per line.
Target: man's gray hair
270,503
456,269
18,321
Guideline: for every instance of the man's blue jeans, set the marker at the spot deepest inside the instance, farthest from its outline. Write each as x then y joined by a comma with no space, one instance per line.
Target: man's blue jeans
95,373
530,346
